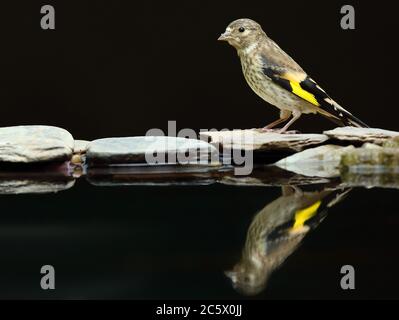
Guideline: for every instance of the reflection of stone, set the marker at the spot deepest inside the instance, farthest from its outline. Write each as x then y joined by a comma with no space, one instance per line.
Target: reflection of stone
39,178
157,149
353,134
153,175
275,233
321,161
371,180
35,178
270,176
22,186
30,144
254,139
371,166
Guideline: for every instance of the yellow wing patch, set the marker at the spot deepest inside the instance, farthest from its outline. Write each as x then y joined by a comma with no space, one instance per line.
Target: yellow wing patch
301,216
296,89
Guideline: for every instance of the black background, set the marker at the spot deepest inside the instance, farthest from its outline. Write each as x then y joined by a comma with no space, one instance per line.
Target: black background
119,68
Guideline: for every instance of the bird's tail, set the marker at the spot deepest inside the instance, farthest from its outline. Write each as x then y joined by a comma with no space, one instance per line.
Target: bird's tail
342,117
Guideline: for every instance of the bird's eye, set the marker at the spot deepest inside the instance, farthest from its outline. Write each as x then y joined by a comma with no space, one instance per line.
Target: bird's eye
242,29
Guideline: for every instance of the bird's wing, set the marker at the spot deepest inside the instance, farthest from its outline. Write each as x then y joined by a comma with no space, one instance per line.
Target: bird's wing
292,78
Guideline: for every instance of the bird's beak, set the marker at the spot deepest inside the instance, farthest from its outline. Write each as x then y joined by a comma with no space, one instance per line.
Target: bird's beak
224,36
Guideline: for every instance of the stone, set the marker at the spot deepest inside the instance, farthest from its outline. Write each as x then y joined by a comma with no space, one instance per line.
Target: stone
77,159
322,161
151,150
369,145
33,144
354,134
81,146
370,160
256,140
392,143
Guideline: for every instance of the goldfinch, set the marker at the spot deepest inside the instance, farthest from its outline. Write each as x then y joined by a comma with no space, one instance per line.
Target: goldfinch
279,80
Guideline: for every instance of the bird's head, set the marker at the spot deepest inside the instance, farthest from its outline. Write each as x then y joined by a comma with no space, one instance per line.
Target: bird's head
248,279
242,33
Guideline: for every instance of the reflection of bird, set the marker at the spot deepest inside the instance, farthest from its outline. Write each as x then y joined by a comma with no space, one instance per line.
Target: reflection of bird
278,79
275,233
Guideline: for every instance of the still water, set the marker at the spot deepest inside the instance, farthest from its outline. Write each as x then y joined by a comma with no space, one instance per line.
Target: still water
200,241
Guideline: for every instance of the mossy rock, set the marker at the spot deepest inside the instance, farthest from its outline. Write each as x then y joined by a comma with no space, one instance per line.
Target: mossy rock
392,143
370,160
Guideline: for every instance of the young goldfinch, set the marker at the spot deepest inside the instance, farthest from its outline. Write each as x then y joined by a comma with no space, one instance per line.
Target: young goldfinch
279,80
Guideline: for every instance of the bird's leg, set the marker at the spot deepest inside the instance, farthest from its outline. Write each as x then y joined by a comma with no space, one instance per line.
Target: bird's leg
284,116
295,116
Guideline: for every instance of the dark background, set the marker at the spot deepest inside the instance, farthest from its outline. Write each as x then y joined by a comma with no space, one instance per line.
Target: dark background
118,68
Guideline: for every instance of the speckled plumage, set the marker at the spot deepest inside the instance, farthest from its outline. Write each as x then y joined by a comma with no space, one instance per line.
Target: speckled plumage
278,79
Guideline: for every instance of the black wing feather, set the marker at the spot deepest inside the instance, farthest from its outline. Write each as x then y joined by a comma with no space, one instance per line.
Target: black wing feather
333,111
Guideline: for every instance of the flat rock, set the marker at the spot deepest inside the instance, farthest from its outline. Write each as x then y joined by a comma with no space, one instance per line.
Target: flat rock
256,140
156,150
322,161
32,144
354,134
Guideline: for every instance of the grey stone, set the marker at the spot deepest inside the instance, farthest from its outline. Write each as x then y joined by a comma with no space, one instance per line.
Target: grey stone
256,140
31,144
322,161
151,150
354,134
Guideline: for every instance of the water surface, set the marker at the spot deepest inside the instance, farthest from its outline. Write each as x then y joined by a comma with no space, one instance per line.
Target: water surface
177,242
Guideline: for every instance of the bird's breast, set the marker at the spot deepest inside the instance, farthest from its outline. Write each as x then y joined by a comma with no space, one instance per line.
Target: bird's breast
260,84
